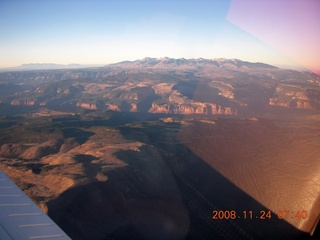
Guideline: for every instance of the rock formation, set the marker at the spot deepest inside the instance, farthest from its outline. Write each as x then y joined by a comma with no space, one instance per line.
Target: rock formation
91,106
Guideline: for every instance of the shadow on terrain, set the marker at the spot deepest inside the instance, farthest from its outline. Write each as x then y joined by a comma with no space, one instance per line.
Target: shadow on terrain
78,134
203,190
146,96
111,119
165,192
91,170
202,92
140,201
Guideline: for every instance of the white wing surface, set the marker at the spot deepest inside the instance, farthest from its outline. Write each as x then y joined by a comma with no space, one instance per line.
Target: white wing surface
20,218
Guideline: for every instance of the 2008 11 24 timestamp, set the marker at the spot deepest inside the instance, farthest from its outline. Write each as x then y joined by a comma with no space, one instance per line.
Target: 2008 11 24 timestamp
233,214
262,214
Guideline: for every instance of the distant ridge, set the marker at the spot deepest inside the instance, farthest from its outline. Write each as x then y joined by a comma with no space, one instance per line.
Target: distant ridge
166,62
47,66
148,62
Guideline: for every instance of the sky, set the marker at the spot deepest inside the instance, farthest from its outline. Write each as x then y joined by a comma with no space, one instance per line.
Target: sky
279,32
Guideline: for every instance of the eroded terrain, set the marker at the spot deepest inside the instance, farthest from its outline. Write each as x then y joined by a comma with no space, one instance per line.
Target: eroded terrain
114,175
148,149
225,87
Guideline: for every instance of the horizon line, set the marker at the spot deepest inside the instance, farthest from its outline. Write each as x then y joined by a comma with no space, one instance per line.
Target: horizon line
81,65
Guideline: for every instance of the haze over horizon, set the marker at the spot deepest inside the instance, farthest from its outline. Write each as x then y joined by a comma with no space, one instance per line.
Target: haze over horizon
104,32
75,65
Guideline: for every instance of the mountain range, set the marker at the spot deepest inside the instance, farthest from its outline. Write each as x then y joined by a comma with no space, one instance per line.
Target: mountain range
167,62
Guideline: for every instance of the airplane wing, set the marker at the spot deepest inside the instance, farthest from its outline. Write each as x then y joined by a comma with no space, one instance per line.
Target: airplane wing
20,218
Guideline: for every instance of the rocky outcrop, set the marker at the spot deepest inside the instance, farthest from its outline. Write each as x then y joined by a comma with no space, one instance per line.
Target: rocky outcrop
15,103
303,104
113,107
300,104
29,103
173,108
23,103
134,107
90,106
291,96
274,102
195,108
159,108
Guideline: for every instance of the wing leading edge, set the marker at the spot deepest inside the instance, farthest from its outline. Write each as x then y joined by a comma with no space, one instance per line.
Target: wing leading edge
20,218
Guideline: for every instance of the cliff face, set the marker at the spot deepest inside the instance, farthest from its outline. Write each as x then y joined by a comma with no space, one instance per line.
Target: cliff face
289,96
275,102
113,107
196,108
300,104
91,106
184,109
303,104
23,103
134,107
